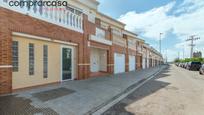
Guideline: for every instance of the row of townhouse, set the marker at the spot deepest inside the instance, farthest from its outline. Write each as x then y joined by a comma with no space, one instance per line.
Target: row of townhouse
43,45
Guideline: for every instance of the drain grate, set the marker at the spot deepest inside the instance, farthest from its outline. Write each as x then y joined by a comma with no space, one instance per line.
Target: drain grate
52,94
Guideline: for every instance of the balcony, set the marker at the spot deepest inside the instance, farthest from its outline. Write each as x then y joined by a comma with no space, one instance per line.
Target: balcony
100,37
66,17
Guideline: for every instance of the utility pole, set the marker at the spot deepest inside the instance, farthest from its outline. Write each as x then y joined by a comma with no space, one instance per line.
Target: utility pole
183,52
192,45
160,36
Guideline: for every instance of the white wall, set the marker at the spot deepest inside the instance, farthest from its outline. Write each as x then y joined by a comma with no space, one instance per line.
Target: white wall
119,63
98,60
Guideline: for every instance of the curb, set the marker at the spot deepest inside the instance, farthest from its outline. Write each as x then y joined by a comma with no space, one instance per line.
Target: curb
106,105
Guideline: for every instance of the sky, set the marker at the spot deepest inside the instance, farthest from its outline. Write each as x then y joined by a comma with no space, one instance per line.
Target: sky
176,19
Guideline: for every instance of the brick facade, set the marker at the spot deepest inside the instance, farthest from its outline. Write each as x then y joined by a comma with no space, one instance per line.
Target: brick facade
15,22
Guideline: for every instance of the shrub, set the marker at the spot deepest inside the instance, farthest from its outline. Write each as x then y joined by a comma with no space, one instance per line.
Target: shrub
189,60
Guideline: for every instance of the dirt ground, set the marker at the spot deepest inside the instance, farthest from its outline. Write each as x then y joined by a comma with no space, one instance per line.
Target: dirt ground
175,91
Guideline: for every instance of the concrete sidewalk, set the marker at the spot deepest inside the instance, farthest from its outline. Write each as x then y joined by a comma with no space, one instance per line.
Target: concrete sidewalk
73,97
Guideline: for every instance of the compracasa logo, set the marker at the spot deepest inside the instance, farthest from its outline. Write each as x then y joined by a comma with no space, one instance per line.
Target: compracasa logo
40,3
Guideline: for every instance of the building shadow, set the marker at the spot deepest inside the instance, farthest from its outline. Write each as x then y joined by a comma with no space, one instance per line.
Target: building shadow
164,73
147,89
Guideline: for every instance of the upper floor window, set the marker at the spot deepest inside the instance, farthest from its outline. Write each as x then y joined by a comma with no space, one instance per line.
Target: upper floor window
117,31
104,25
31,59
15,56
74,10
100,33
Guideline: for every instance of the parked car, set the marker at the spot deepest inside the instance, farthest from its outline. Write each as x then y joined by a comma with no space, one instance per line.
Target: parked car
194,66
186,65
202,69
181,65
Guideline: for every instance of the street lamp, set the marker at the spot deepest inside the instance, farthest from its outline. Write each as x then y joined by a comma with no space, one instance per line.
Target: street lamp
160,36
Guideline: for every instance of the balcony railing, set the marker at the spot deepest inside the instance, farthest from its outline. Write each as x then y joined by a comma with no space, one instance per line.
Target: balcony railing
66,17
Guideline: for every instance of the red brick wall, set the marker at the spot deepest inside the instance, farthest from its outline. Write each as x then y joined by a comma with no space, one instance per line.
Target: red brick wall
5,57
110,54
99,45
139,61
119,49
5,80
126,55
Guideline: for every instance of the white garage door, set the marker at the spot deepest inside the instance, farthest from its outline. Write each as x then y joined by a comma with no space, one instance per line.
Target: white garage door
119,63
132,63
143,63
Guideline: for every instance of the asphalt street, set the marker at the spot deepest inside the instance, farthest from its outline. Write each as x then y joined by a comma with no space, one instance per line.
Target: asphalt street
175,91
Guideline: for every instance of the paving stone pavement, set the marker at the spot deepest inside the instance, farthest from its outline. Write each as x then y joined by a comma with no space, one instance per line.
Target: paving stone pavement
71,97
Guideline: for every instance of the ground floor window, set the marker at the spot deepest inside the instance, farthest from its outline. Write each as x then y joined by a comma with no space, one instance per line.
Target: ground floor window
15,56
31,59
45,61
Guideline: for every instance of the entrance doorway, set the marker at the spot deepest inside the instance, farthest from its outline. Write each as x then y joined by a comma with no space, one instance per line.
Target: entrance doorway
67,63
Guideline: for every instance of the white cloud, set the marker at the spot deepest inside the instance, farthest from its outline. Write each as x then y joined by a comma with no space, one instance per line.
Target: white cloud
185,19
150,23
189,6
